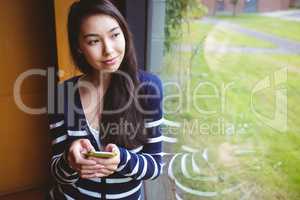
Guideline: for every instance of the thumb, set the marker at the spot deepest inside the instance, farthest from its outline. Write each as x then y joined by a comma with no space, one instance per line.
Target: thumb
86,145
110,147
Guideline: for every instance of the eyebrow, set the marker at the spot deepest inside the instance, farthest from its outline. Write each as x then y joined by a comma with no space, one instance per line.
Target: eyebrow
96,35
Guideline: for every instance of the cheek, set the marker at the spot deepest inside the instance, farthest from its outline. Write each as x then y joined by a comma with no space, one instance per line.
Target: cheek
92,53
122,44
123,50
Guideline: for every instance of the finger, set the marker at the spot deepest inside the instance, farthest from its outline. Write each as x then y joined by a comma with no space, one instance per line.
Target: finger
82,161
89,172
104,161
100,175
86,176
92,167
95,175
111,167
106,172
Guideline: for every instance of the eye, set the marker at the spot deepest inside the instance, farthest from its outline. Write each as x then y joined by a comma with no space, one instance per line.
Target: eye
92,42
115,35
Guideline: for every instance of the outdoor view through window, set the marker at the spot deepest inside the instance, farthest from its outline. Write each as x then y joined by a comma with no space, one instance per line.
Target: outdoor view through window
230,72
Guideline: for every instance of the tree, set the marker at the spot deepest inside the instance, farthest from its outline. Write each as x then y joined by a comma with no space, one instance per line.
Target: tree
234,3
214,9
176,12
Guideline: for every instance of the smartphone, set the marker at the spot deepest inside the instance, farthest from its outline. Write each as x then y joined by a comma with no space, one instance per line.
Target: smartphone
101,154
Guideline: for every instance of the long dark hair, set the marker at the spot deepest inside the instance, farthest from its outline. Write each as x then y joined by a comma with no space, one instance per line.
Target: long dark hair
120,90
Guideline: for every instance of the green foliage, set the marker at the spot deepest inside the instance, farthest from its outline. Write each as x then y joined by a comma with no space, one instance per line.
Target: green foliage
176,12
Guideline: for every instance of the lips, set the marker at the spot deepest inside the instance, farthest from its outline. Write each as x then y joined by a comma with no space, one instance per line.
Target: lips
110,61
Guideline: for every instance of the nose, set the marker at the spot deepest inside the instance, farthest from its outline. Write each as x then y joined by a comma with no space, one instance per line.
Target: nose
108,48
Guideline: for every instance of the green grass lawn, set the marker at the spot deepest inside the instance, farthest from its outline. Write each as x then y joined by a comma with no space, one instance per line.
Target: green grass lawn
246,151
282,28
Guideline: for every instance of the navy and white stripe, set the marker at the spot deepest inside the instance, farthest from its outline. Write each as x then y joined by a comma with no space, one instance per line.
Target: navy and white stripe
141,163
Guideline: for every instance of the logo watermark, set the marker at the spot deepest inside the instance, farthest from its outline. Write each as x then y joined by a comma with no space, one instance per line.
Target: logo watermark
183,98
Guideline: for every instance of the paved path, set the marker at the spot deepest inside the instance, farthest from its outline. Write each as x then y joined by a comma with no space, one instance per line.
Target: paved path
292,15
283,45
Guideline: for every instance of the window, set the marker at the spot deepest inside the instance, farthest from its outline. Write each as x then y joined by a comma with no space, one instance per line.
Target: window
231,126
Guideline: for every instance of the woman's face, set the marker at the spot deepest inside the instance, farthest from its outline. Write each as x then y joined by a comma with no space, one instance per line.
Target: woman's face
102,42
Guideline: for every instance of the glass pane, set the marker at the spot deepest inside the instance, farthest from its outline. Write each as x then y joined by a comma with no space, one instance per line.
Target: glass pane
231,90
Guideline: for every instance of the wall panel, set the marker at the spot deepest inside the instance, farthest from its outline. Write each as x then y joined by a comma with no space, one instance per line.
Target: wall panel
27,42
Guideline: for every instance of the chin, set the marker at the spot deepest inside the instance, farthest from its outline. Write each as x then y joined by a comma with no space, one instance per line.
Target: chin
110,69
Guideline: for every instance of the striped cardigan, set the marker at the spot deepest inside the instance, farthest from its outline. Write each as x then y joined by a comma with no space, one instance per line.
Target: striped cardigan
136,165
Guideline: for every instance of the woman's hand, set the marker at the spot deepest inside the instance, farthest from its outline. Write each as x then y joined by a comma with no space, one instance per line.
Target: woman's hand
77,160
109,165
92,167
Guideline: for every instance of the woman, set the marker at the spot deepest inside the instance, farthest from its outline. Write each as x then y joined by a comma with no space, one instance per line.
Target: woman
112,107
